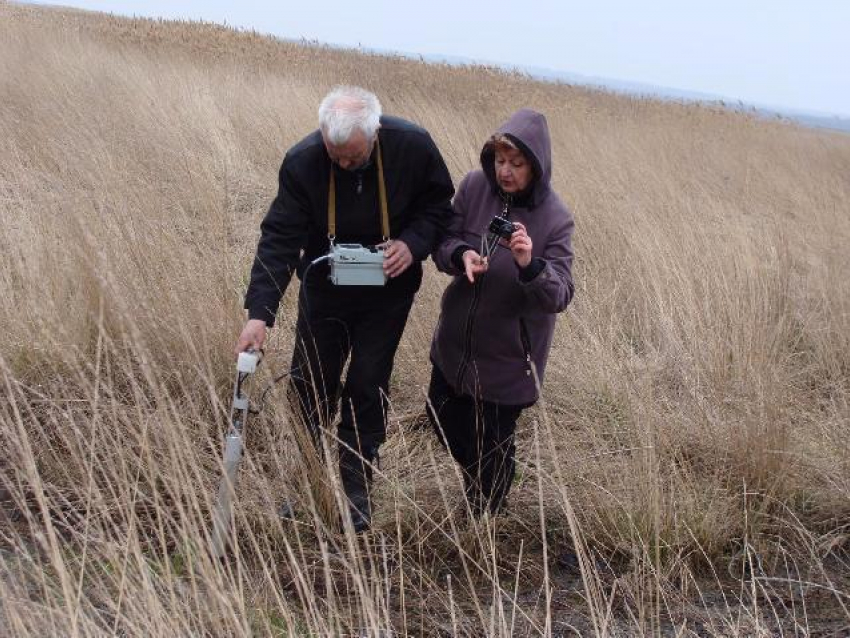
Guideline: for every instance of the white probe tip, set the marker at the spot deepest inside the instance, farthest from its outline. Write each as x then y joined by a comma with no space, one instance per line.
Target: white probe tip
247,362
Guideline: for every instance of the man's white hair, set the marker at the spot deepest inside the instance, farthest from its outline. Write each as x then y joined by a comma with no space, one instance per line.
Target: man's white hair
346,109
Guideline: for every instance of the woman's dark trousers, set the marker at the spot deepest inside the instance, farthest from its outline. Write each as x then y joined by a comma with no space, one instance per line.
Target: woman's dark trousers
363,324
480,436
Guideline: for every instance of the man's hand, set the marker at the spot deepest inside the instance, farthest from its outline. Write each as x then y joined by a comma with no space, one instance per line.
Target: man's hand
397,257
520,245
474,264
253,336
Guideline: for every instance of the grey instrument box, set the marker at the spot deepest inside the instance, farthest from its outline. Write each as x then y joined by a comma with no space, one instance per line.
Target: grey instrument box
356,265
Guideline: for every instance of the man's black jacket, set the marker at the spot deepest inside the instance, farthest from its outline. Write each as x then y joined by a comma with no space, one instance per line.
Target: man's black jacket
295,229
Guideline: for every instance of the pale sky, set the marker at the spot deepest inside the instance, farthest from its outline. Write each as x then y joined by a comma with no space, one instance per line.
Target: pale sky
792,54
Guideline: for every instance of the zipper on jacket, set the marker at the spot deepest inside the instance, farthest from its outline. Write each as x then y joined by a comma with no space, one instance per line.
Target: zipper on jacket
467,333
526,345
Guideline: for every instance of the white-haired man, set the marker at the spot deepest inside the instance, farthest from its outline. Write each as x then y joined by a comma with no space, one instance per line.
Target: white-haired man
362,178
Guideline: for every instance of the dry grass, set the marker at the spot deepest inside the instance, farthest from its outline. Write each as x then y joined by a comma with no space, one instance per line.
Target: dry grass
692,445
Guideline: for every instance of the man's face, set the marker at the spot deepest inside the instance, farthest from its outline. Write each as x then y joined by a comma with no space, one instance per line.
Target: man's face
352,154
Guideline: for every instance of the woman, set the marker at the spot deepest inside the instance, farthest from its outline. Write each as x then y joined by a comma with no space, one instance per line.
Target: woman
498,314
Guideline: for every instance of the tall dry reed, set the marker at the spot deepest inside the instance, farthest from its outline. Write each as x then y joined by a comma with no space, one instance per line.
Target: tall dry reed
691,446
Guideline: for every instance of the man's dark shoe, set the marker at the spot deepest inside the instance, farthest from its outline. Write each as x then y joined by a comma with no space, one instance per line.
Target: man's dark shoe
356,475
286,511
568,561
361,517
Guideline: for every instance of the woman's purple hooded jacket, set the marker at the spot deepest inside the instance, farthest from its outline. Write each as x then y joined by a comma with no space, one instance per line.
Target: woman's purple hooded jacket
491,333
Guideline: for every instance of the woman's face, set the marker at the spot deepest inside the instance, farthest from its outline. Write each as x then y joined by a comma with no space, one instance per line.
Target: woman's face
513,170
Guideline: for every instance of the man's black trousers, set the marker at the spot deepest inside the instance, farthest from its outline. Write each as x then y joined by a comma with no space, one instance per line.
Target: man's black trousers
480,436
361,322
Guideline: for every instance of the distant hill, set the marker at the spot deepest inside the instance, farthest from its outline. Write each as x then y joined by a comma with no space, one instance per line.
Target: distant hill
811,119
641,89
820,121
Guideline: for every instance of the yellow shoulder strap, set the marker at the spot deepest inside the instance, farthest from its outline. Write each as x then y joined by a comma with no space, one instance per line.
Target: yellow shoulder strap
382,197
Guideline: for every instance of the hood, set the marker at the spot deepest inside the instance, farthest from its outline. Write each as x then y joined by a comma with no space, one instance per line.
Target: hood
530,132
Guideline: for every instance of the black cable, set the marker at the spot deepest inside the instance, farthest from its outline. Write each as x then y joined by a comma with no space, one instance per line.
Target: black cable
240,379
302,304
262,401
492,243
306,304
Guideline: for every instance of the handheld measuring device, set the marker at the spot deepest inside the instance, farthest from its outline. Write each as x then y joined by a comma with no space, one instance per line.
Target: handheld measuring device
246,365
357,265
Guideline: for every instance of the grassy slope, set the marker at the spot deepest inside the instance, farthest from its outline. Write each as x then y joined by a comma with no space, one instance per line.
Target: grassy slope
696,404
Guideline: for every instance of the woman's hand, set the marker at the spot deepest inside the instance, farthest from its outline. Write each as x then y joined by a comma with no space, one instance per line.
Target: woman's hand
520,245
474,265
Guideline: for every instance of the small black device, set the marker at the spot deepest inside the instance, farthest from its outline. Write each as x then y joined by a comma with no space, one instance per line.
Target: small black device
502,227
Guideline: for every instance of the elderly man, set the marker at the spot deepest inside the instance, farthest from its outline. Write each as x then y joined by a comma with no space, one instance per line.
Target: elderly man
362,178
